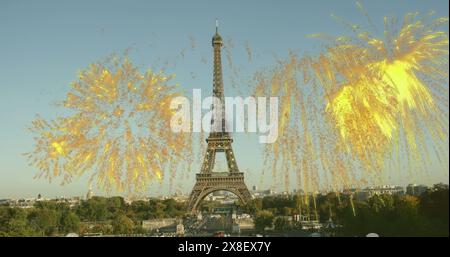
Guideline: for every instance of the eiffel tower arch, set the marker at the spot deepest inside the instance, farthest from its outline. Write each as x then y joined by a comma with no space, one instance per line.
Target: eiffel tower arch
208,186
218,140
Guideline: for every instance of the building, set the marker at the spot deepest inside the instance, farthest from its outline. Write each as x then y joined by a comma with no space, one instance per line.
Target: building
416,190
235,228
366,193
386,189
180,198
156,224
72,201
262,193
361,195
245,223
311,225
5,201
89,194
23,203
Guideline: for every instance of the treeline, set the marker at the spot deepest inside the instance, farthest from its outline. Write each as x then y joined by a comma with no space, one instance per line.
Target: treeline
96,215
386,215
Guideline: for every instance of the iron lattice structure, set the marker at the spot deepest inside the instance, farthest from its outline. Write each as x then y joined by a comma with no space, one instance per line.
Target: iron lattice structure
219,140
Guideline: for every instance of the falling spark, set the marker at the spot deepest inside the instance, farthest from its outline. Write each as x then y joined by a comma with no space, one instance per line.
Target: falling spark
249,51
192,42
361,105
381,92
116,129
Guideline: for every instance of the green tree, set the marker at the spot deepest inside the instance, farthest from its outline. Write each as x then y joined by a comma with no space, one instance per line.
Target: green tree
287,211
139,210
407,219
44,220
389,215
14,222
172,208
94,209
122,225
102,228
157,208
252,207
434,207
281,224
69,222
297,202
115,205
262,220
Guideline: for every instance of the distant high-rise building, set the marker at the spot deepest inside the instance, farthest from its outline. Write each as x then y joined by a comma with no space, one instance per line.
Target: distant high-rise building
416,190
89,194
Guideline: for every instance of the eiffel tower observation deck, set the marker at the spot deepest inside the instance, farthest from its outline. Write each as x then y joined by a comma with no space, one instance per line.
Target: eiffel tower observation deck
219,140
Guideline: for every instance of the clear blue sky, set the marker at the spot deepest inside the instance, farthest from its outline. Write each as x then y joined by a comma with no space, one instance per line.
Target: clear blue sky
44,43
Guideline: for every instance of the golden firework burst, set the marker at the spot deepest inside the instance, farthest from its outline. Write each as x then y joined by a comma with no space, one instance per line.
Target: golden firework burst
116,129
362,104
385,91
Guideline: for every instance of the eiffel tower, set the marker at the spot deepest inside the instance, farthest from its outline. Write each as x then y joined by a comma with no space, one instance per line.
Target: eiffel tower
218,140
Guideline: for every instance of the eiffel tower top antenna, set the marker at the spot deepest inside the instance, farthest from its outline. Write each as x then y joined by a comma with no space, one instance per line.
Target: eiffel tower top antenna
218,119
217,26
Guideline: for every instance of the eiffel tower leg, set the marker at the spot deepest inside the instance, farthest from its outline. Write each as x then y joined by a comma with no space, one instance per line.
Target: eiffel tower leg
196,191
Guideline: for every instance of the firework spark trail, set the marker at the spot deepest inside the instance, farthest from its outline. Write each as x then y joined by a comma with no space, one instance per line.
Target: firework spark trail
249,51
296,149
116,129
362,106
301,127
384,94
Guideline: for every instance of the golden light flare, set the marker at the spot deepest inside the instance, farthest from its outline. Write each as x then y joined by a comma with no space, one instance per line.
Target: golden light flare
363,108
380,89
116,129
